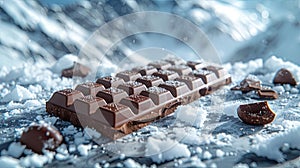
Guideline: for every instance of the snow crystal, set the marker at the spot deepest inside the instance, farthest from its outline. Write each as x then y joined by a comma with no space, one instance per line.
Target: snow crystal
34,160
219,153
19,93
167,149
9,162
187,135
131,163
15,149
279,89
207,155
294,91
12,105
230,109
195,116
67,61
198,150
270,146
31,104
84,149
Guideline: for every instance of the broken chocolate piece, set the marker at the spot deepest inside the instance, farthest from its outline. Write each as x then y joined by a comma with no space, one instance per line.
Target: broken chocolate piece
76,70
40,137
248,85
284,76
256,113
267,94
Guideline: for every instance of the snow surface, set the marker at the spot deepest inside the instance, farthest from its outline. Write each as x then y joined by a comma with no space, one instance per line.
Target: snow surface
166,149
191,115
19,93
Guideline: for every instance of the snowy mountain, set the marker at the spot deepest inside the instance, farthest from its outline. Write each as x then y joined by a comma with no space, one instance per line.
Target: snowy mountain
33,30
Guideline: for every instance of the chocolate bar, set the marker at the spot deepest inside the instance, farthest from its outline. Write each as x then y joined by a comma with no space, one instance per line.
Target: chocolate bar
117,106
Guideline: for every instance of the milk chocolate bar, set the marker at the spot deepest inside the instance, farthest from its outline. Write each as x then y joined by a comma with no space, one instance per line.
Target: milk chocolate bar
118,105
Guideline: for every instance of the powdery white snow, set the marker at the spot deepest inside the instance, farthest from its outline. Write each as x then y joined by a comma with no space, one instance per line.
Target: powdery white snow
9,162
274,63
131,163
84,149
36,160
219,153
191,115
230,108
207,155
187,135
19,93
15,149
67,61
270,146
167,149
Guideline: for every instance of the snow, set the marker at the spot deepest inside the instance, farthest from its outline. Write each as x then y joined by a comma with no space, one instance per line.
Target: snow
67,61
192,115
230,108
167,149
131,163
279,89
36,160
187,135
84,149
9,162
207,155
15,149
92,133
219,153
19,93
270,146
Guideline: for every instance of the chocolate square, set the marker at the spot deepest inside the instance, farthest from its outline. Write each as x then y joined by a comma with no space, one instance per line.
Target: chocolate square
219,71
65,98
145,70
137,103
88,104
112,95
175,87
166,74
110,81
158,95
195,65
132,87
205,75
128,75
114,114
90,88
191,81
160,64
181,69
150,80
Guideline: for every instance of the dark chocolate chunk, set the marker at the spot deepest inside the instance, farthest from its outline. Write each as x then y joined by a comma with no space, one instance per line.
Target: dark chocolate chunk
181,69
284,76
195,65
88,104
137,103
160,64
128,75
145,70
150,80
157,94
248,85
191,81
267,94
116,114
205,75
41,137
175,87
166,75
110,81
90,88
132,87
256,113
76,70
112,95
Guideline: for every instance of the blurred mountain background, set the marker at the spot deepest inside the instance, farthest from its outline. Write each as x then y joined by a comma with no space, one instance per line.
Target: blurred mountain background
240,30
